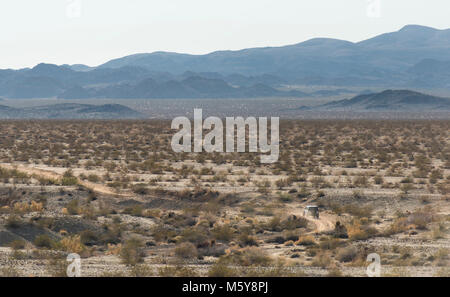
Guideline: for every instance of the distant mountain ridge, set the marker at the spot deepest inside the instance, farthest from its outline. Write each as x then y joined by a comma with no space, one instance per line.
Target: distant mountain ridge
191,87
320,60
413,57
389,100
47,80
70,111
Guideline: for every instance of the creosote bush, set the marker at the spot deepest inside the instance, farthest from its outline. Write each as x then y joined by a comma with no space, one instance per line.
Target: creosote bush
186,250
132,251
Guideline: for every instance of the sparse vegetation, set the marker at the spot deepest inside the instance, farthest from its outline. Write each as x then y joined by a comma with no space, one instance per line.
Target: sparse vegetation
126,196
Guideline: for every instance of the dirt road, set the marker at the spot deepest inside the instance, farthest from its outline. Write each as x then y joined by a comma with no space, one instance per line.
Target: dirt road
326,221
30,170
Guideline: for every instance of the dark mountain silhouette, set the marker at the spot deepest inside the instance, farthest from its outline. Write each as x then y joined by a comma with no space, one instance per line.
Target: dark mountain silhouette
430,73
70,111
389,100
33,87
47,80
191,87
76,92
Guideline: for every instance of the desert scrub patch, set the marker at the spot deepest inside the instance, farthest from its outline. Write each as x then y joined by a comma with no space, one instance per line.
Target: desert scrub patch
68,179
303,193
72,244
321,259
25,207
141,270
347,254
186,250
89,237
250,256
291,235
378,180
195,235
163,233
442,258
132,251
245,239
13,221
73,207
277,270
306,240
57,267
334,272
135,210
290,223
152,213
176,271
9,271
327,243
358,211
93,178
416,220
221,269
44,241
140,189
17,244
358,231
223,232
285,198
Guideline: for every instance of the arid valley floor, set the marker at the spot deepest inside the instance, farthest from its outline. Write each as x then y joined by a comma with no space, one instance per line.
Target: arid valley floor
115,193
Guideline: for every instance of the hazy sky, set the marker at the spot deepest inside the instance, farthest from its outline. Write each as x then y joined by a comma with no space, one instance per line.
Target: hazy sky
95,31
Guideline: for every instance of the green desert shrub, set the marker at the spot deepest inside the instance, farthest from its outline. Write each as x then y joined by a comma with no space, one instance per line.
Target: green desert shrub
43,241
186,250
132,251
69,179
347,254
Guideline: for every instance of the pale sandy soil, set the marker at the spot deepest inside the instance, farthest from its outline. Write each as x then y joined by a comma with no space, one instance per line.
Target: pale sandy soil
56,173
111,265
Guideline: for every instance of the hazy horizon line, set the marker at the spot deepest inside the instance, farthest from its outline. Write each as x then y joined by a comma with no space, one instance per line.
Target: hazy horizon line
225,50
